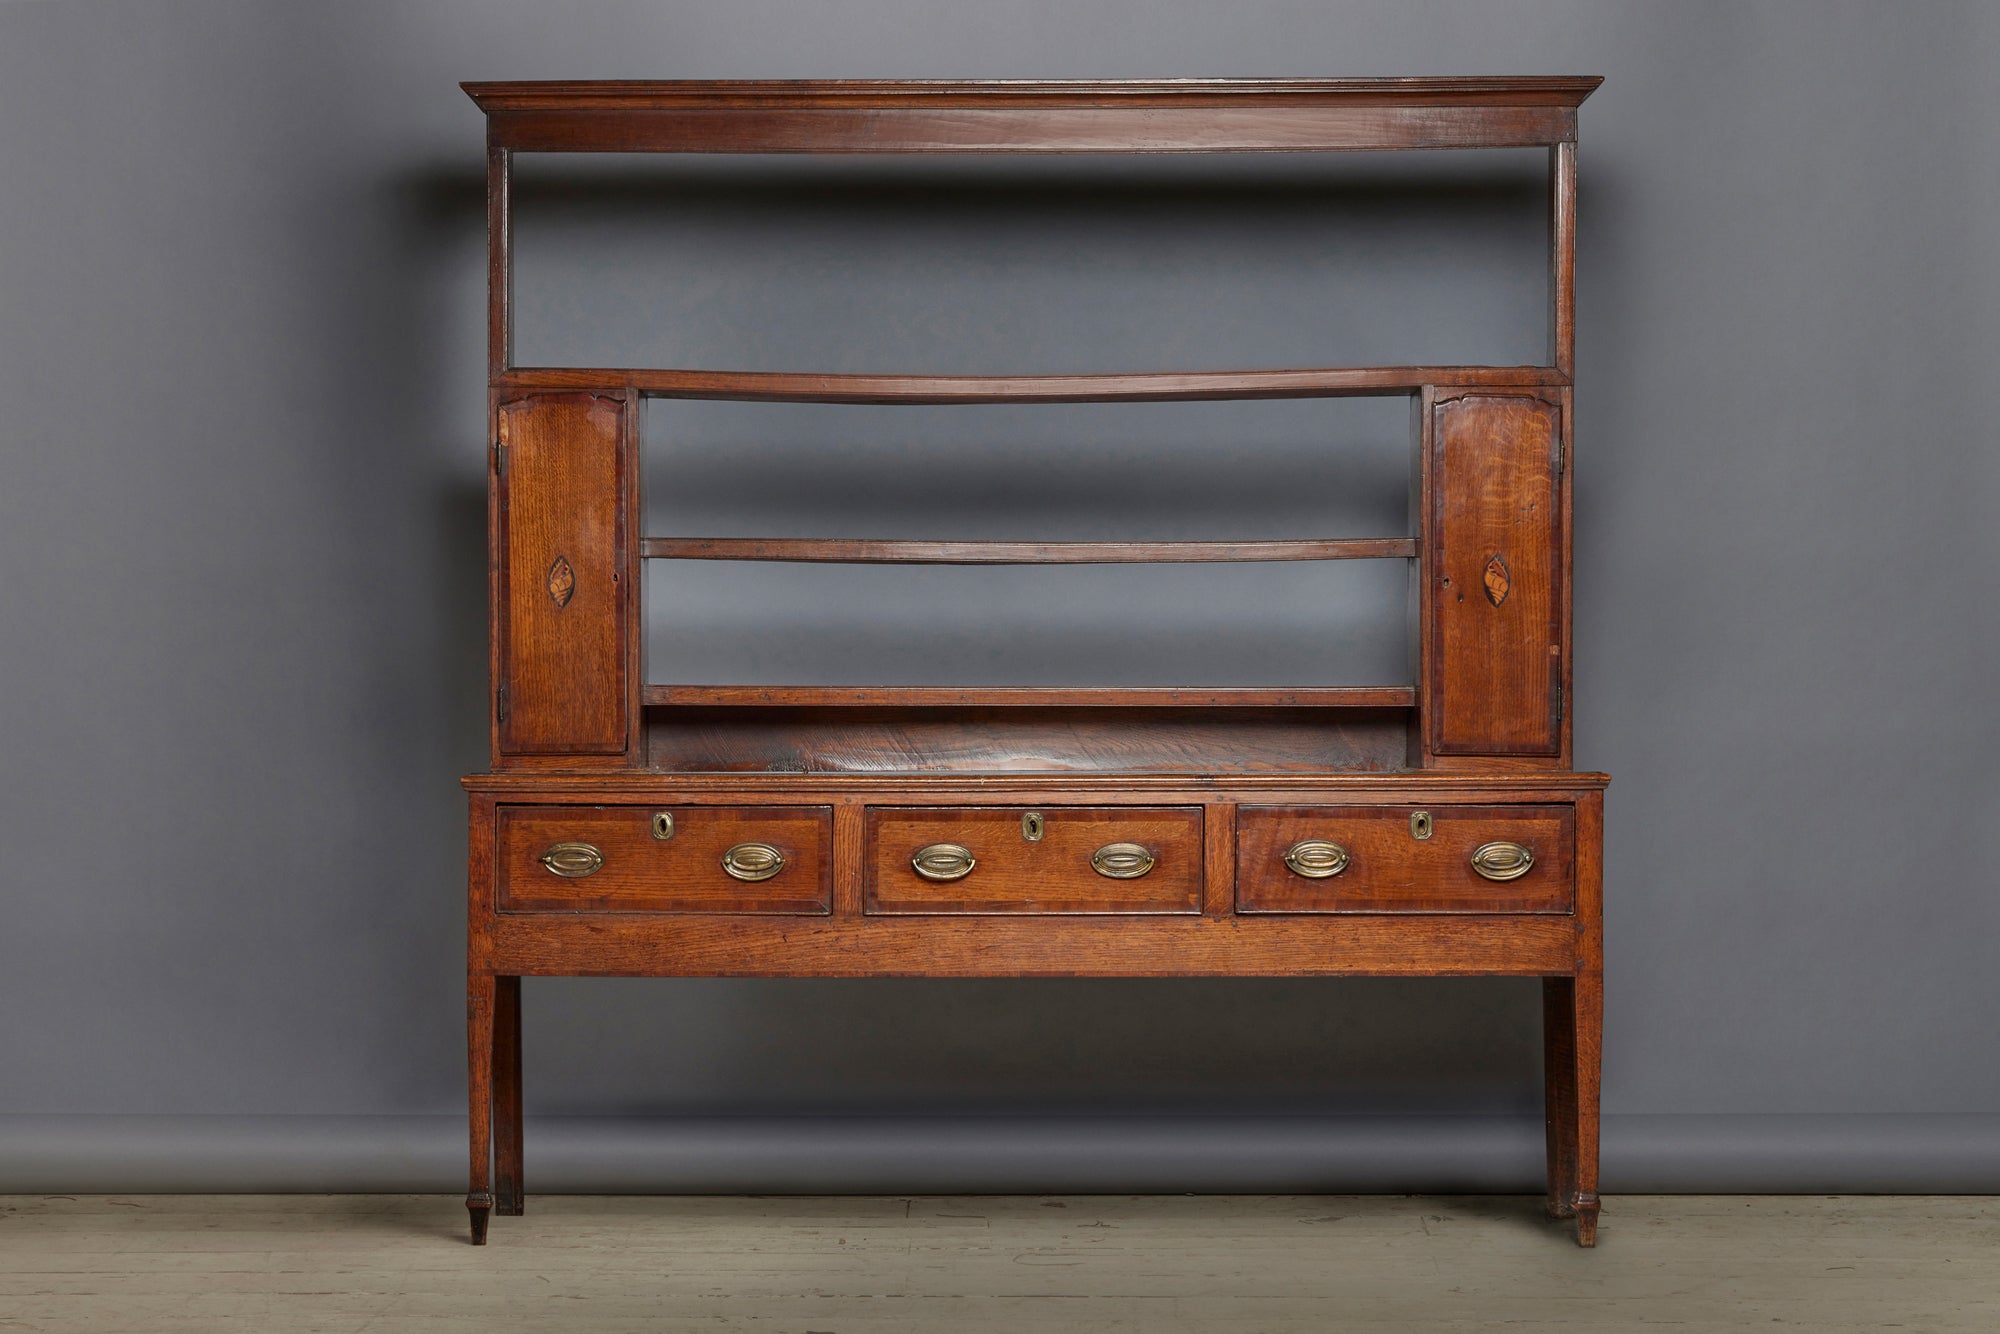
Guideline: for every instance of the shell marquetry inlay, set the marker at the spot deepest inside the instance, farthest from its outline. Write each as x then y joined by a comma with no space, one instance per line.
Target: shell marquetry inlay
562,581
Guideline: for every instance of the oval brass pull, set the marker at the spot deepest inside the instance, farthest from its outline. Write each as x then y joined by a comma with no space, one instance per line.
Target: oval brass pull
1502,860
572,861
1316,858
943,861
663,825
1121,861
753,861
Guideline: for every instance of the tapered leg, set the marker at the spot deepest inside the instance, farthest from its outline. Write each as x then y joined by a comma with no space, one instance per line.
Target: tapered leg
507,1184
1573,1040
1559,1091
479,991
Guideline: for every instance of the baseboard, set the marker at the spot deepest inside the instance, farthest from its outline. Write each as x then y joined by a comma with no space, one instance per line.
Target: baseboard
1000,1155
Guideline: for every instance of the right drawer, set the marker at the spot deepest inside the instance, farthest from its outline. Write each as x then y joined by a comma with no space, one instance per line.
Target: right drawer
1412,859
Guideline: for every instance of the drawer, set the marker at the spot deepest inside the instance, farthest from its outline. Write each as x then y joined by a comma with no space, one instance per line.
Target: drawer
1044,859
665,859
1371,859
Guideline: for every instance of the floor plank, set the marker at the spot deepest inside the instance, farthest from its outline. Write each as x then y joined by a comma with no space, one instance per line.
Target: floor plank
843,1265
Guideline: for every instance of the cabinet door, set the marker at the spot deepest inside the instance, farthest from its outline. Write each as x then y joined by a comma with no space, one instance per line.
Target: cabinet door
1494,562
563,670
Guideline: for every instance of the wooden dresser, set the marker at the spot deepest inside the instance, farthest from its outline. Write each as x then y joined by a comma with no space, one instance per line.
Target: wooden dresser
634,829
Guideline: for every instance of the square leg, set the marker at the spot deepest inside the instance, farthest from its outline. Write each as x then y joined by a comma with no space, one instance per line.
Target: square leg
507,1181
479,992
1572,1044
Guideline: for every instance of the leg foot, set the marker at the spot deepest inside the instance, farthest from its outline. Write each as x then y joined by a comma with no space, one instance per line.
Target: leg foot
1560,1209
481,1209
1586,1220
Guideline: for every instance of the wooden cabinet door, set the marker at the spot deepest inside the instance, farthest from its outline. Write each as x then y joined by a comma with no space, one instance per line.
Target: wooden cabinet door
1493,559
564,602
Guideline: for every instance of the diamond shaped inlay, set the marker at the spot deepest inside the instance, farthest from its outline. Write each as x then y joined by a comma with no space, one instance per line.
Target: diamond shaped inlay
562,581
1497,580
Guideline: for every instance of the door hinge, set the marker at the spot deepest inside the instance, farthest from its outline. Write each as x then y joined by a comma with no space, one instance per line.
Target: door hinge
500,460
1558,459
1557,701
500,702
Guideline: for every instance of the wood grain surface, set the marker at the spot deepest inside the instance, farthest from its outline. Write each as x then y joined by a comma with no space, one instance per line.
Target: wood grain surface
995,740
1391,870
1054,875
1495,669
681,874
562,496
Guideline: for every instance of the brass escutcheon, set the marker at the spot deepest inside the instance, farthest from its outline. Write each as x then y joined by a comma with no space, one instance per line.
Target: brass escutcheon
572,861
1502,860
943,861
1316,858
1031,826
663,825
753,861
1121,861
1420,825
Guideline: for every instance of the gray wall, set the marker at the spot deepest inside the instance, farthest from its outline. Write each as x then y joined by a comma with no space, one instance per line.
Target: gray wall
241,655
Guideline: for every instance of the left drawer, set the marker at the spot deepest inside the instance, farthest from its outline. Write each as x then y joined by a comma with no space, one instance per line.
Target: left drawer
665,859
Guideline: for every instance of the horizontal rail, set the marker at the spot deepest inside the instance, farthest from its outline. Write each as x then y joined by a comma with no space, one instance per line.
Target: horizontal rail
930,697
1191,116
885,94
885,552
1132,387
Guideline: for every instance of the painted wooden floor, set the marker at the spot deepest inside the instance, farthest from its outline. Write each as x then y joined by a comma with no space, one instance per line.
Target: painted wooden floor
1159,1264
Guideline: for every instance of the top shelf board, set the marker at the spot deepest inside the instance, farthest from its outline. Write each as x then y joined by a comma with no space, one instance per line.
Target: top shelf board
1007,116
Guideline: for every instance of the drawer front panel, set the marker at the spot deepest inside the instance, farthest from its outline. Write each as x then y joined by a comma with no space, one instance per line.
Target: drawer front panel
612,859
1150,859
1369,859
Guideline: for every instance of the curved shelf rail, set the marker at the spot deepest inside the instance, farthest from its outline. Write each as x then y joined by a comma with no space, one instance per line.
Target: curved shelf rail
848,551
1129,387
1032,697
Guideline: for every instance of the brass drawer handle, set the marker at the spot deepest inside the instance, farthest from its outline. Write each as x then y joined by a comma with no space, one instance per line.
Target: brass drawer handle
1316,858
1502,860
572,861
1121,861
943,861
753,861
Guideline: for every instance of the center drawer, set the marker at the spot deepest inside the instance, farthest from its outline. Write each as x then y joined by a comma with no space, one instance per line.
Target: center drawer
666,859
1043,859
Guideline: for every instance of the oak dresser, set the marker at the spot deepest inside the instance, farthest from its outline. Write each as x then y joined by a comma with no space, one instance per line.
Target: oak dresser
1436,828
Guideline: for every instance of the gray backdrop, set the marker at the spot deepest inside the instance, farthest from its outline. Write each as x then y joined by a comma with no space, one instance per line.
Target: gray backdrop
241,654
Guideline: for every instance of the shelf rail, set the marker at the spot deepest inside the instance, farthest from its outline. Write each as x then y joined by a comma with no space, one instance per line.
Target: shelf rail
1036,697
1126,387
851,551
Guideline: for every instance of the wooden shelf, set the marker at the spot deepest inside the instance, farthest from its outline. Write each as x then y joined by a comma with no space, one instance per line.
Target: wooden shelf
882,552
1128,387
811,697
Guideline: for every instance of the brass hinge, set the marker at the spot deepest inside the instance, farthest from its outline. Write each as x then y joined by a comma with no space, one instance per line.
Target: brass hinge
500,698
500,460
1557,701
1557,456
